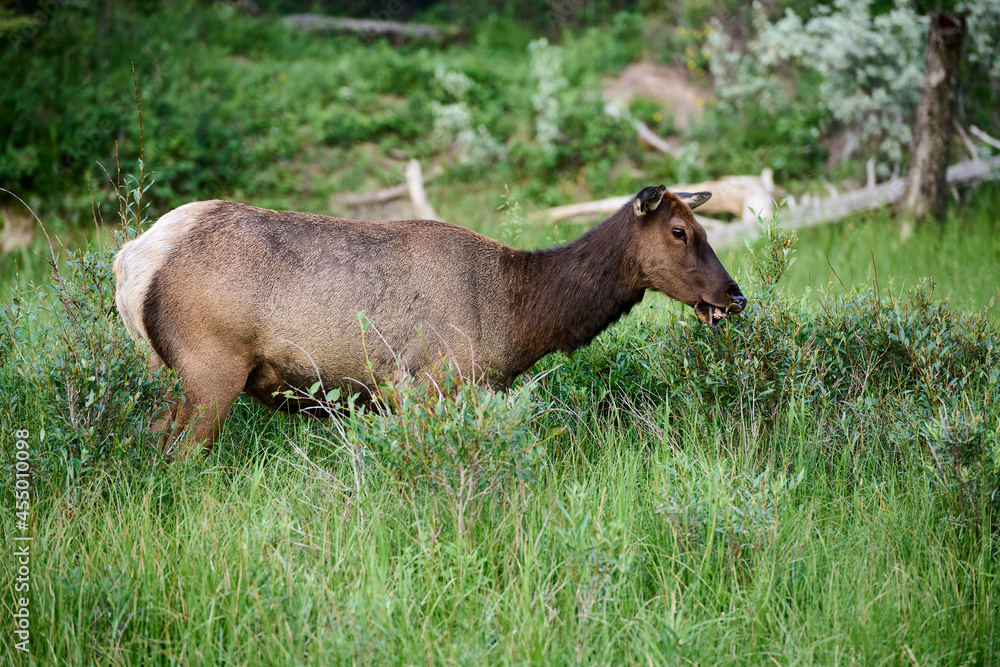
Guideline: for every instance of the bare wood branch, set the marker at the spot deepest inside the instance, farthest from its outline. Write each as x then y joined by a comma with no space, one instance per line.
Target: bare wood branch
967,142
395,31
422,209
653,139
382,195
983,137
871,181
645,134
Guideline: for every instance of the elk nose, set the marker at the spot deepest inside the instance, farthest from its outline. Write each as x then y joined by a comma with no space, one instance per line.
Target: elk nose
737,302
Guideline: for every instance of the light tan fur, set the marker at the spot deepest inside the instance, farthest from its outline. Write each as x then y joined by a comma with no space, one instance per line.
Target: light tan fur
141,258
237,298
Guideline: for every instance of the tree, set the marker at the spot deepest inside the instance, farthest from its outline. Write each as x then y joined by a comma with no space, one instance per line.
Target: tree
880,64
926,182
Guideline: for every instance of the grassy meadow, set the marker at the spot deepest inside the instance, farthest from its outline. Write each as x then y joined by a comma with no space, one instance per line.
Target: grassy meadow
816,481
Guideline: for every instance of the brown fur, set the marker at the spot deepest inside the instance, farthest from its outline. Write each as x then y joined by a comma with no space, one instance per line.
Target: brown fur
237,298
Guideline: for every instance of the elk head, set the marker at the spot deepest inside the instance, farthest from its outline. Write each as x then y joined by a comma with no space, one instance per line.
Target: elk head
675,258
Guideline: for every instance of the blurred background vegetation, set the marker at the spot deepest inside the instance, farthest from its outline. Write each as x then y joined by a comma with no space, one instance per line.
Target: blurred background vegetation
235,104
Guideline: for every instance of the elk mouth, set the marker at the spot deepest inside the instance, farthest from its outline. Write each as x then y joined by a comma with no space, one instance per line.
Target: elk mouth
711,314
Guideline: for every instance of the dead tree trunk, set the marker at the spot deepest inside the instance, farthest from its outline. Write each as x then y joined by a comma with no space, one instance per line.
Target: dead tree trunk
926,188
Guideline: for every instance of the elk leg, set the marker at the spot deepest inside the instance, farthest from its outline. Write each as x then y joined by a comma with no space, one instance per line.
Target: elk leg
163,425
212,381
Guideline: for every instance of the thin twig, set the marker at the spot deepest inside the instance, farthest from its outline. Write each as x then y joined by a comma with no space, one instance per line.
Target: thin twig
142,154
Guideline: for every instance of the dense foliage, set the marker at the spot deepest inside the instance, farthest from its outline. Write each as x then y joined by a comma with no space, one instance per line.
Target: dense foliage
237,105
73,374
855,66
234,103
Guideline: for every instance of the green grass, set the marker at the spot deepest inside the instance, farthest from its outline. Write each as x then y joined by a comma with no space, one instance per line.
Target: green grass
962,255
258,557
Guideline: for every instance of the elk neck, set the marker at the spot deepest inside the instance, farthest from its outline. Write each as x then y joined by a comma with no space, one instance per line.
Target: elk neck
567,295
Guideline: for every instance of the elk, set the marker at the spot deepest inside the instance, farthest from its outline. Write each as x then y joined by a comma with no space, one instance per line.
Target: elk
242,299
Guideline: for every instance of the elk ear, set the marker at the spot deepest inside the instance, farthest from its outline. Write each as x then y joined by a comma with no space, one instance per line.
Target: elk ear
648,199
694,200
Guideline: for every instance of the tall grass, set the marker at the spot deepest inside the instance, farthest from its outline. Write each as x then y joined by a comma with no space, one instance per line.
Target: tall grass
962,254
262,560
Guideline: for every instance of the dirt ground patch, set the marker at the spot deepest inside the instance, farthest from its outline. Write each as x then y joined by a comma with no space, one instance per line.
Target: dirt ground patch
667,84
17,229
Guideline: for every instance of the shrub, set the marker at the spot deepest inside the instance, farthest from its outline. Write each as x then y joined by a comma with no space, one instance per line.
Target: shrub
720,510
449,441
83,378
652,113
958,445
866,58
863,343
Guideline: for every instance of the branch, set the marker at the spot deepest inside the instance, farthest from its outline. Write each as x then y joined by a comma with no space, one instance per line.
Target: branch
983,137
654,140
384,194
967,142
415,184
395,31
645,134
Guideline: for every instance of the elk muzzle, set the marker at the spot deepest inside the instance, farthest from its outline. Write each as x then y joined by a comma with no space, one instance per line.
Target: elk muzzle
711,314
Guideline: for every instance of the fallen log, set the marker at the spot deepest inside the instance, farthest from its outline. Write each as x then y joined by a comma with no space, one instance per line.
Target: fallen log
370,29
744,196
422,209
828,209
383,195
811,212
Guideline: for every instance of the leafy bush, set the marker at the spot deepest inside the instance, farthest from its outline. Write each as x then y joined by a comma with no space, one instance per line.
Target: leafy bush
449,442
652,113
957,443
753,136
82,375
864,343
916,375
546,74
236,104
866,59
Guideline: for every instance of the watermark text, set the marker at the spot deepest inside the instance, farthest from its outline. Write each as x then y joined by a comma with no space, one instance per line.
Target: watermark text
22,541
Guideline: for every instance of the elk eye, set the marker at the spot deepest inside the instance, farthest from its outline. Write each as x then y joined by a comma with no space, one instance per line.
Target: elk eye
679,233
